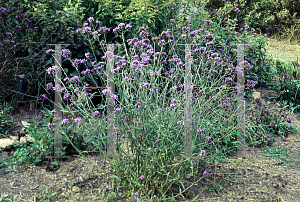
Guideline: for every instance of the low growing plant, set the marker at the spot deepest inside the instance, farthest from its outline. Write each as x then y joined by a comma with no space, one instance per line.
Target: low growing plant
288,86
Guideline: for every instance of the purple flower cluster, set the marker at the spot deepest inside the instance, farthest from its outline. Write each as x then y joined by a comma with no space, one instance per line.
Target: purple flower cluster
128,26
52,69
66,53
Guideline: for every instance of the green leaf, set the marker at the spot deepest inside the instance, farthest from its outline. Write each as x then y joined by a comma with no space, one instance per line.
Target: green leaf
86,49
66,70
74,73
89,64
80,54
85,43
53,12
47,18
97,52
49,61
118,16
58,17
82,8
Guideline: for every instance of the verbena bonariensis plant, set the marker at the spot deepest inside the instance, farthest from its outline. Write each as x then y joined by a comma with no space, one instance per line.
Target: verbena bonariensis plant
152,168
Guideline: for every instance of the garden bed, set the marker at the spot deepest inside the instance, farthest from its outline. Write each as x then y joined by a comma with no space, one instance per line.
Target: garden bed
264,179
260,174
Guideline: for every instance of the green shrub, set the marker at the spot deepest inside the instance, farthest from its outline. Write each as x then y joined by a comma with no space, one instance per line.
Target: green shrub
266,16
288,86
5,120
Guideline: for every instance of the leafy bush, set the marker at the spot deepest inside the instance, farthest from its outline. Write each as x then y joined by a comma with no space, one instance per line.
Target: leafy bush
288,86
5,120
15,29
267,16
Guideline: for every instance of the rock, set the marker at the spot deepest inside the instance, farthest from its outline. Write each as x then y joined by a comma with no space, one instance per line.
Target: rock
76,189
27,138
256,97
7,143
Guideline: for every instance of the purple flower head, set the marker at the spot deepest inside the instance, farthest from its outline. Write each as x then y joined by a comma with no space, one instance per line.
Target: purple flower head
200,131
86,29
180,122
136,195
18,27
77,120
206,173
75,79
183,36
66,53
52,70
51,126
65,121
128,26
121,25
95,113
66,96
90,19
49,51
162,43
144,34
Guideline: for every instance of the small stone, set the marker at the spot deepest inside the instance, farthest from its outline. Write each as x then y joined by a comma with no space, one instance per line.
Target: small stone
256,95
76,189
6,143
14,138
